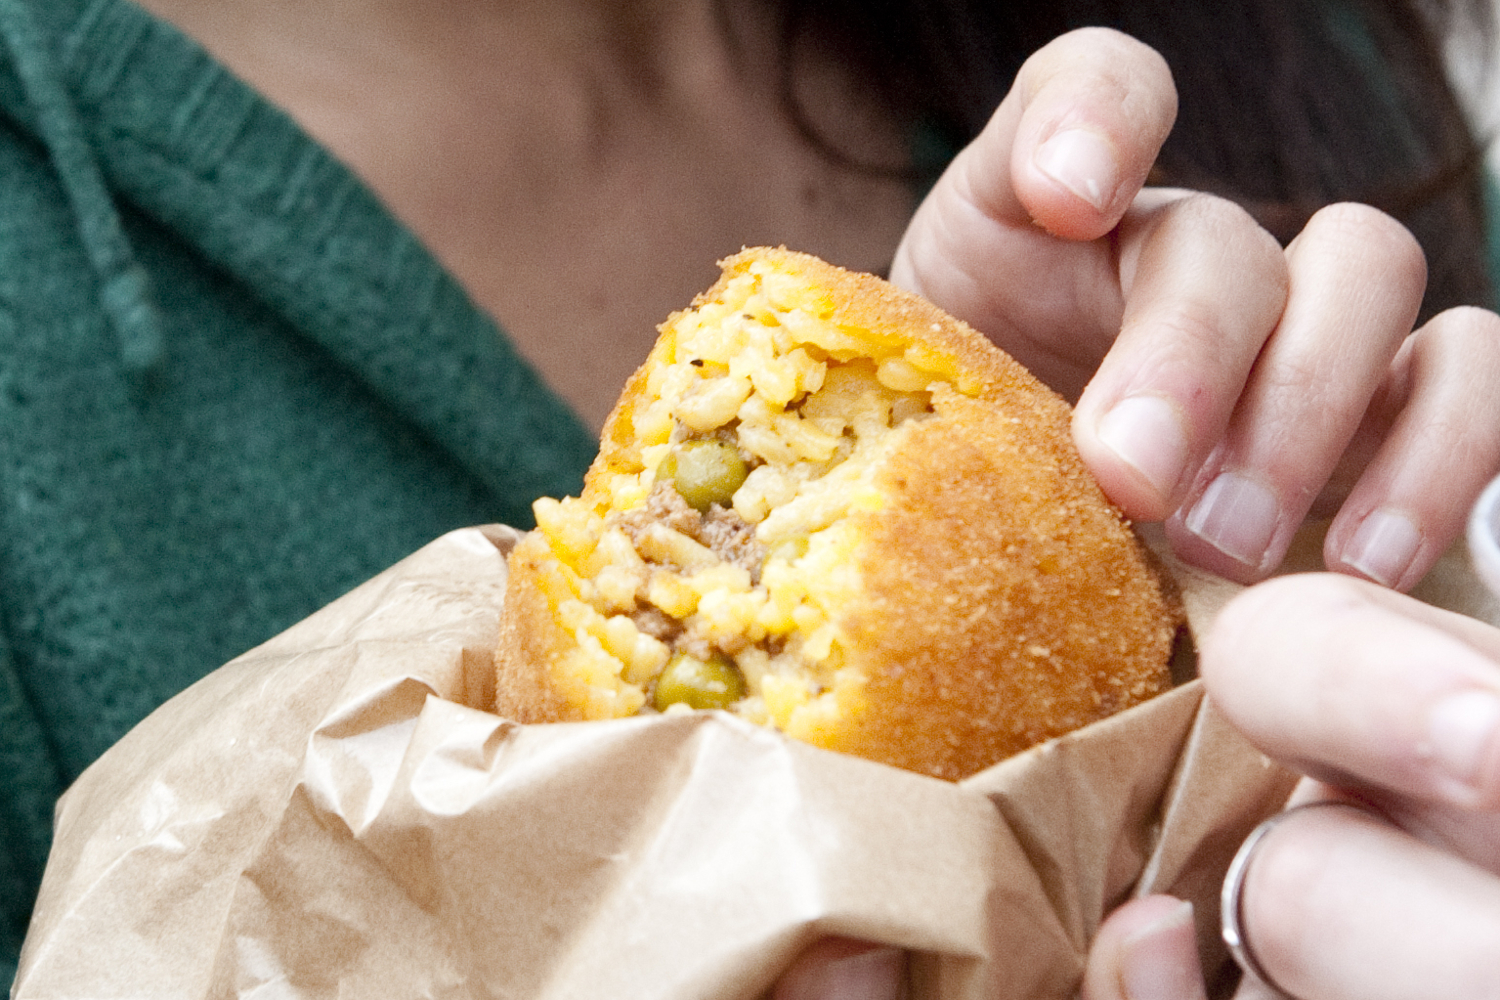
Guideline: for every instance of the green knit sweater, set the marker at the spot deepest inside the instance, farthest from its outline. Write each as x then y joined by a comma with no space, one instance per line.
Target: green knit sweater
231,388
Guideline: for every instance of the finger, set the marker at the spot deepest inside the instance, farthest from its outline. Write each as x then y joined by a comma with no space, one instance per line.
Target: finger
1205,287
837,968
1356,282
1094,108
1337,906
1362,687
1441,448
1473,835
1063,156
1145,950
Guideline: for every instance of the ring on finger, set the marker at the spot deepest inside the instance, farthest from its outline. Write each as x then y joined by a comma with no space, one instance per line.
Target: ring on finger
1232,898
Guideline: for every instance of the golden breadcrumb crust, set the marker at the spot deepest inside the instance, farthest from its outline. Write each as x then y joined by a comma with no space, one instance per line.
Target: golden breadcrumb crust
530,639
1006,603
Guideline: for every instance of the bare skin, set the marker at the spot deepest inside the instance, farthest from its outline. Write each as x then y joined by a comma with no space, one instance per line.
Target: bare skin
578,165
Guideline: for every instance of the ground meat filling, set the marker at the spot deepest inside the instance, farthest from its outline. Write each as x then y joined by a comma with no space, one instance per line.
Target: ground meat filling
732,539
664,506
657,624
723,532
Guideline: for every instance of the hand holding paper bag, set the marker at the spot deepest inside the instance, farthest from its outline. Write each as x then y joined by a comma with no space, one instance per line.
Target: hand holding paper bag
330,813
1387,700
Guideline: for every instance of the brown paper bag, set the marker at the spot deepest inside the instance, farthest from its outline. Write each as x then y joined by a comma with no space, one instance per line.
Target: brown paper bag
329,815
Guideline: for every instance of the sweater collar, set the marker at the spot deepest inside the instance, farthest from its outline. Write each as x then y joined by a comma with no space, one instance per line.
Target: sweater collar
136,117
124,287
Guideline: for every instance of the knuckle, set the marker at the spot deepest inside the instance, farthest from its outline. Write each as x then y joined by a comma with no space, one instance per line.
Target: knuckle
1222,222
1202,230
1130,56
1464,329
1106,49
1132,72
1455,364
1366,232
1459,350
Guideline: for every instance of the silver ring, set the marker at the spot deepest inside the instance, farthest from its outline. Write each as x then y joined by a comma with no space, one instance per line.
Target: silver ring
1232,902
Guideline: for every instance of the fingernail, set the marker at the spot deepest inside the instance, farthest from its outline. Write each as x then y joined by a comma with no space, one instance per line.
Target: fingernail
877,974
1147,433
1083,162
1462,729
1384,546
1160,961
1237,516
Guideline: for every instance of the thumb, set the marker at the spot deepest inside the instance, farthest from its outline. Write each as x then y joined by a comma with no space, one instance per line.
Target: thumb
1009,239
1146,950
1073,141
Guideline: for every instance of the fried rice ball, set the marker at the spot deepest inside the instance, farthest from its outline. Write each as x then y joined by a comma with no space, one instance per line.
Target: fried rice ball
826,506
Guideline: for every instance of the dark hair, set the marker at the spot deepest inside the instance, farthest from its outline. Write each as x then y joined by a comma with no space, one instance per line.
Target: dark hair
1284,105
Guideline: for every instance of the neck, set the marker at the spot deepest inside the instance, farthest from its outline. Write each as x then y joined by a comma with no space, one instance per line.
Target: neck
583,74
578,165
643,41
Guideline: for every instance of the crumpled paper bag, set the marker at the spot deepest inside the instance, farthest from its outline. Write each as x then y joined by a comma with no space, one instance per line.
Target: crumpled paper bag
330,814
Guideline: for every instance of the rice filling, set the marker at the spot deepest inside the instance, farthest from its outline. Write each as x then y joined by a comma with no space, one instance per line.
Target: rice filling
748,585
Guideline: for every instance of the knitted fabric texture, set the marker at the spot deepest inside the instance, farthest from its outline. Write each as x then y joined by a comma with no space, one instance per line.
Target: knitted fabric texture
304,398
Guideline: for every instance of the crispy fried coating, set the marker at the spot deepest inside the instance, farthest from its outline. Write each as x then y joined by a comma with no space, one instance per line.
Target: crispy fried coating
913,564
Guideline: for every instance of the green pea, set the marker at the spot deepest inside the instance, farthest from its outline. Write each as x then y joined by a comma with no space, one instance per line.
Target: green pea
704,472
689,680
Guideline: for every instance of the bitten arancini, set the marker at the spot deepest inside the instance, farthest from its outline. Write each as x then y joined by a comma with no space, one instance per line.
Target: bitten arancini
828,507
